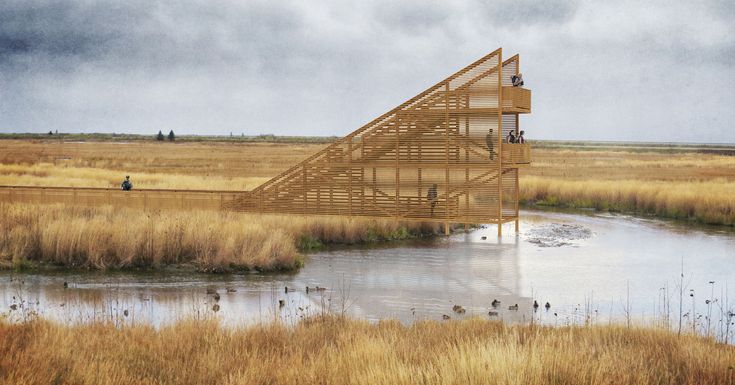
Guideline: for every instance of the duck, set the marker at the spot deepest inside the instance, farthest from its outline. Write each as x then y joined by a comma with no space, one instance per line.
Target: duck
66,285
231,290
495,303
215,307
281,303
211,291
216,296
492,313
535,304
458,309
286,289
446,317
547,306
513,307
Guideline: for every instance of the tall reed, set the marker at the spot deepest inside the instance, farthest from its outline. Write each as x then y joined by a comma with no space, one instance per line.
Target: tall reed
109,237
338,351
704,201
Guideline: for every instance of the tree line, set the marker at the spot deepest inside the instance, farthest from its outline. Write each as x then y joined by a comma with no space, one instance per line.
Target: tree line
161,137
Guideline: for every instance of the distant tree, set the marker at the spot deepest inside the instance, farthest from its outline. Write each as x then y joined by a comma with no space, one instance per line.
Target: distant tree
171,136
50,133
159,137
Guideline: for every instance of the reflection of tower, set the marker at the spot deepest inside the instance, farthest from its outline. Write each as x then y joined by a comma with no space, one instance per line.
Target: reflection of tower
424,280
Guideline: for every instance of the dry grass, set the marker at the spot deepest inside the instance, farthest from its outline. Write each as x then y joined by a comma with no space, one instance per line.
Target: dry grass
679,185
336,351
685,185
212,241
704,201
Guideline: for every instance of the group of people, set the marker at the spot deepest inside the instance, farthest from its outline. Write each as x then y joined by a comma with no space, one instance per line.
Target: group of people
511,138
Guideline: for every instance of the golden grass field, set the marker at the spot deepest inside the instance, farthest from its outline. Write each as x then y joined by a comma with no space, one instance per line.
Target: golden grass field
109,237
679,184
329,350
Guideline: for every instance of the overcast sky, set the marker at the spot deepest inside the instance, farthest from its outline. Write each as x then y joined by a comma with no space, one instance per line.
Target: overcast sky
652,71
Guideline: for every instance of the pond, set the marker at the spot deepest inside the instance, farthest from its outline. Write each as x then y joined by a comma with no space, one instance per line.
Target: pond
586,266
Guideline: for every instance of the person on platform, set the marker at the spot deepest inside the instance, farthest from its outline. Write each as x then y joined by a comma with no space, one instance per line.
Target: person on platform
517,80
520,138
489,142
127,185
432,196
511,138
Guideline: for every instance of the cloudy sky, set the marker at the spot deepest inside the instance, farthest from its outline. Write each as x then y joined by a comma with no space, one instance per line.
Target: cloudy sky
652,71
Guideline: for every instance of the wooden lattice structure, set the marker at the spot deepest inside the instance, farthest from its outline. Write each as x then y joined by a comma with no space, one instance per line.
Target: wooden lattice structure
439,157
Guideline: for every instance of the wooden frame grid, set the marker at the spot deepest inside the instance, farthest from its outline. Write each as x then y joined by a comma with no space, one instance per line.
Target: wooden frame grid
438,157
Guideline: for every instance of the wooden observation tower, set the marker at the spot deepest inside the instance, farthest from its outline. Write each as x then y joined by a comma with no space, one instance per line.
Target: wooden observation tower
440,157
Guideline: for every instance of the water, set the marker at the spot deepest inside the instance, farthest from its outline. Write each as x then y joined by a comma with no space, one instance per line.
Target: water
583,265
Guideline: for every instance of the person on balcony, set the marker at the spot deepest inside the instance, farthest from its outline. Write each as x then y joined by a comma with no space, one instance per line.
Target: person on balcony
521,139
127,185
517,80
489,142
432,196
510,138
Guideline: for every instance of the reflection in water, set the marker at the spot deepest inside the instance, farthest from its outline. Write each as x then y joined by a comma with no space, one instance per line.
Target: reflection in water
414,280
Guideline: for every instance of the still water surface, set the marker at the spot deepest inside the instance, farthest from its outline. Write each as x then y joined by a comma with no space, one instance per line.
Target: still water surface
580,264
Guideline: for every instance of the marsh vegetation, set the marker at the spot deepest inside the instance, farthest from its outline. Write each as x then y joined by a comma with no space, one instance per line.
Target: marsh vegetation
335,350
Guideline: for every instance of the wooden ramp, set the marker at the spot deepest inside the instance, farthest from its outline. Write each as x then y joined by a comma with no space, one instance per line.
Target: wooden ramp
139,199
440,157
437,157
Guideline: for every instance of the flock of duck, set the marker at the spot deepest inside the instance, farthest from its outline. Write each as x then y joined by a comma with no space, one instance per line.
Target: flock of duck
494,313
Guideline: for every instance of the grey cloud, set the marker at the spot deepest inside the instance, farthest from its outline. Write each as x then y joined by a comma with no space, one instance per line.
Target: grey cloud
328,67
517,13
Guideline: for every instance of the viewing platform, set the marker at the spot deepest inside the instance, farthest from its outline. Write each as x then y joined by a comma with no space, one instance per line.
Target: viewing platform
516,100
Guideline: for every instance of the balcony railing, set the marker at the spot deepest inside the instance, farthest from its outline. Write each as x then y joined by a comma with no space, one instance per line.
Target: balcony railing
515,153
516,100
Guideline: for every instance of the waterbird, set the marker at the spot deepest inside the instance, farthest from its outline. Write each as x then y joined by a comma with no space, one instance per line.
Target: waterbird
211,291
231,289
495,303
535,304
13,307
125,312
492,313
307,290
281,303
483,238
286,289
215,307
320,288
513,307
66,284
445,317
547,306
458,309
216,296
